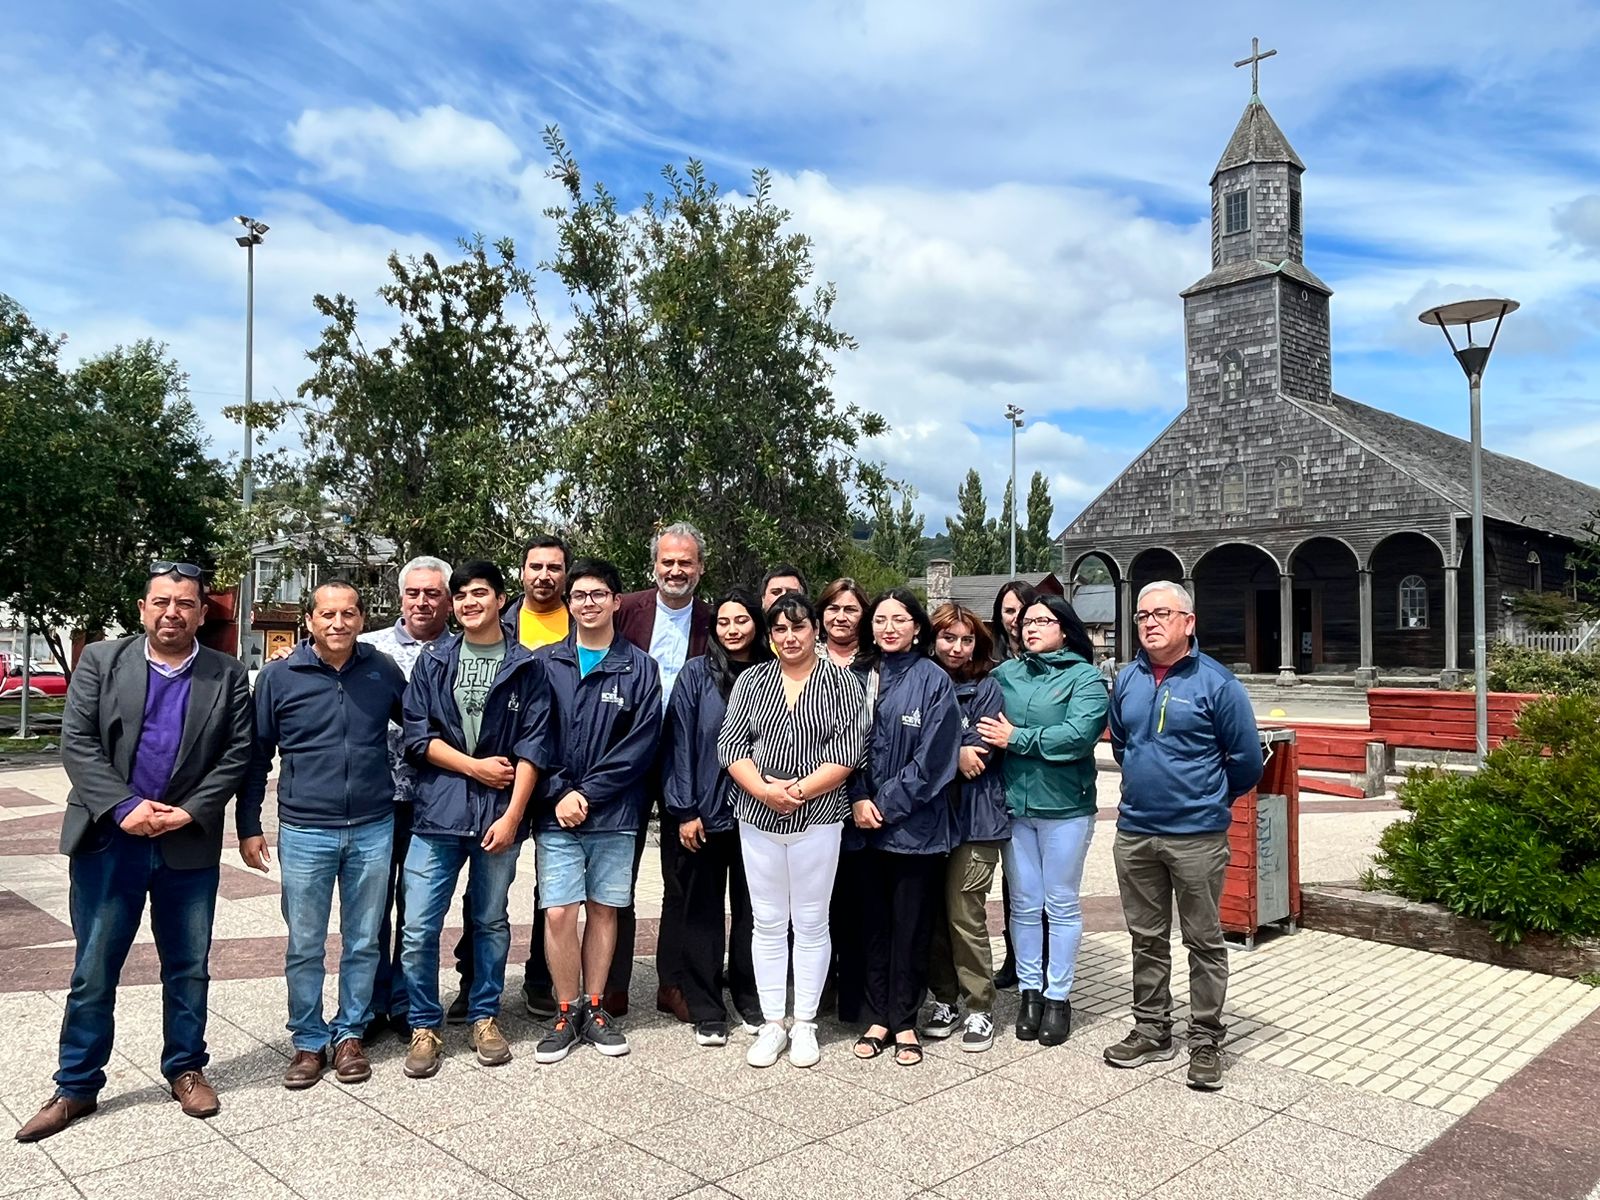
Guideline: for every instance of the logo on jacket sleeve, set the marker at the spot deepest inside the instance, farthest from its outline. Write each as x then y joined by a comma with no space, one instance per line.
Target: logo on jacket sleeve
912,719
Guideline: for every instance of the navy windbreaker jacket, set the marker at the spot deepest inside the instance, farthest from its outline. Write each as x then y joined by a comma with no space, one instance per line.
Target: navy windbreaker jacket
696,784
980,804
604,732
516,724
911,758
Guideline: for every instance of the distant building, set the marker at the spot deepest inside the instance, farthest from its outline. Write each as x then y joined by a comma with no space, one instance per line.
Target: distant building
288,569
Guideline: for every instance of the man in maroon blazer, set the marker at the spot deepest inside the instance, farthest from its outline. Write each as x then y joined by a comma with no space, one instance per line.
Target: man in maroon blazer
670,624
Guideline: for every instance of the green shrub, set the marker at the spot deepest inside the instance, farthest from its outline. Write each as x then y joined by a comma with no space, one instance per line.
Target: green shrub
1516,844
1525,669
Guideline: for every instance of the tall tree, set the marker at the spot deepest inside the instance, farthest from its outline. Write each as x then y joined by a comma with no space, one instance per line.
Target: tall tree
1041,511
897,531
972,538
1000,535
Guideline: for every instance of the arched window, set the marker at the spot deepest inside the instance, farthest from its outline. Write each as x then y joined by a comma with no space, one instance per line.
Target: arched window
1286,483
1182,493
1232,372
1535,572
1234,498
1413,602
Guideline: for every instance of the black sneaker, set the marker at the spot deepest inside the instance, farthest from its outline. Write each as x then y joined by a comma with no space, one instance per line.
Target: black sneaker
1136,1050
563,1036
600,1031
541,1005
456,1014
711,1033
1205,1067
941,1022
978,1035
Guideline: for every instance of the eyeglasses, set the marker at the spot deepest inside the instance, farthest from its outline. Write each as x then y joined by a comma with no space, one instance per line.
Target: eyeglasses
599,596
162,567
899,621
1144,616
1039,622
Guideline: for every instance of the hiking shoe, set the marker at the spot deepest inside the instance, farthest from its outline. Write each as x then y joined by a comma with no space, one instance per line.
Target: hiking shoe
978,1034
711,1033
541,1005
768,1046
563,1036
601,1032
803,1048
489,1042
456,1014
1136,1050
941,1022
1205,1067
1057,1023
422,1060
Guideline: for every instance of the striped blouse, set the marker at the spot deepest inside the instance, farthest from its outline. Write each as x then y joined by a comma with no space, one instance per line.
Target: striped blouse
828,724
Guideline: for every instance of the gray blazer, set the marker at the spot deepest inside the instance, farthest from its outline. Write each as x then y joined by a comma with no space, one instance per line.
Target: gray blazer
100,731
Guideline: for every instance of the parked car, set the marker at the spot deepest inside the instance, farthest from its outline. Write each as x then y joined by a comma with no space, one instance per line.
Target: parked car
43,680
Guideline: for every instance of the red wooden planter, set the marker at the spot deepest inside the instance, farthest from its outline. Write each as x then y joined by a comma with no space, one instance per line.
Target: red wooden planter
1243,912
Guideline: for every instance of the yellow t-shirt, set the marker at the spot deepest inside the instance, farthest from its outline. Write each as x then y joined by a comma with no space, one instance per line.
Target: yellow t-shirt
535,629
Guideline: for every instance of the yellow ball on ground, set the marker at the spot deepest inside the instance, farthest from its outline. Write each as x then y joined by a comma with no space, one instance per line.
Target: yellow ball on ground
1277,712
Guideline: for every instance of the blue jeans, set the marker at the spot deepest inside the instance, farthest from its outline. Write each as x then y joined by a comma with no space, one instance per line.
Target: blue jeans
1044,862
109,885
357,857
432,866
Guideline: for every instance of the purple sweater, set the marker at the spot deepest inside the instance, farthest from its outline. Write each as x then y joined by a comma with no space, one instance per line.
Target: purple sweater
165,703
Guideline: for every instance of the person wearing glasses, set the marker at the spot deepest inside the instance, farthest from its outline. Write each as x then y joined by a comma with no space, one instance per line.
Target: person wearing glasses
604,736
1185,735
902,816
1055,711
155,739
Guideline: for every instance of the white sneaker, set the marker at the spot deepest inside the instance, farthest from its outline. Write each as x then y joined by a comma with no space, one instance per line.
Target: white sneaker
769,1044
803,1049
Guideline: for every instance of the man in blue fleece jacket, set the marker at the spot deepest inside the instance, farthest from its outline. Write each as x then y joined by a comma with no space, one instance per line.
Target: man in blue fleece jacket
1185,736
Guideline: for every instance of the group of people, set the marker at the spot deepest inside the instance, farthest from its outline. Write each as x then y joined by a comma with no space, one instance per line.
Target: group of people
841,777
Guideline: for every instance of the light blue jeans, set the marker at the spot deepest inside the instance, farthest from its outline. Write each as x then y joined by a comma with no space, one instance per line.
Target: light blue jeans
433,864
1044,864
312,860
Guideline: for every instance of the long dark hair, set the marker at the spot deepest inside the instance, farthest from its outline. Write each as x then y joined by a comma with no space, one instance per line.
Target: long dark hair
725,669
868,653
1026,594
1077,637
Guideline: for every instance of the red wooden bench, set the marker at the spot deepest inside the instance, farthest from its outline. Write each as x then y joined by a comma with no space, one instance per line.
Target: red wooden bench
1427,719
1337,760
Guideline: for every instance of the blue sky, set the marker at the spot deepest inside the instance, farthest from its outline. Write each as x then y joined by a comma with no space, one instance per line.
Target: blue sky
1009,196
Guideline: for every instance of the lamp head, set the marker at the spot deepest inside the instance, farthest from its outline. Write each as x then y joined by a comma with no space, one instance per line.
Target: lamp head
1472,357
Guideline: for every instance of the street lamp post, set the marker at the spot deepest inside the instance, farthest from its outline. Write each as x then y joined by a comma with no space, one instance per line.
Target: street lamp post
1014,416
1473,359
249,239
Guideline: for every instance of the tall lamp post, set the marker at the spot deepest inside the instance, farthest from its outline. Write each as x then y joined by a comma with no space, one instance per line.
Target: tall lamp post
1473,359
1014,416
249,239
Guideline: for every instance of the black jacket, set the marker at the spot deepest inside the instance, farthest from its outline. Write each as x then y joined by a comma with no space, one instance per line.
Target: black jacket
911,758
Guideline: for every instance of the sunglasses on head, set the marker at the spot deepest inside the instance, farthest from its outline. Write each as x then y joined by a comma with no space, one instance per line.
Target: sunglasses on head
162,567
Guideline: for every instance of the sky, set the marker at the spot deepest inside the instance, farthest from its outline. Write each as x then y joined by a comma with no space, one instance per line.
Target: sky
1008,196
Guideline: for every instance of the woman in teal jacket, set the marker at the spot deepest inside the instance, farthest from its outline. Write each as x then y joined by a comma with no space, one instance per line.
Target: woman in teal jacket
1055,711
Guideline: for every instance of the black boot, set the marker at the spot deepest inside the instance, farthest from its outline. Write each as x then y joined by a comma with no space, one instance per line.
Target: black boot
1057,1023
1029,1015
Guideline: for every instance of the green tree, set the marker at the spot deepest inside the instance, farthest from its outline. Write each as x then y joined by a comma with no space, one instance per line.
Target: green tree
1000,536
1040,554
1585,565
897,531
696,372
972,537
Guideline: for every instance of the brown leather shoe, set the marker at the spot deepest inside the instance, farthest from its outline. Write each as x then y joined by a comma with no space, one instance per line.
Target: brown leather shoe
195,1094
669,999
305,1069
350,1063
58,1112
615,1003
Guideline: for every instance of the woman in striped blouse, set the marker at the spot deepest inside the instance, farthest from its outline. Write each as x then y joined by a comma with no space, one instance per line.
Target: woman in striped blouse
794,731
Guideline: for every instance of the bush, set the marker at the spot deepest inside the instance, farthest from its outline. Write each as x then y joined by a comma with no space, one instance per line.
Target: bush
1516,844
1525,669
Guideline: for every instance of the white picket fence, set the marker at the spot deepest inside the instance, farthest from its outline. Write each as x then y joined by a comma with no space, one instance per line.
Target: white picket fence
1568,642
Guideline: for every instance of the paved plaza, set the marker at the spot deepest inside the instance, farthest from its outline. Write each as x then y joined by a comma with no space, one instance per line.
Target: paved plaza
1354,1069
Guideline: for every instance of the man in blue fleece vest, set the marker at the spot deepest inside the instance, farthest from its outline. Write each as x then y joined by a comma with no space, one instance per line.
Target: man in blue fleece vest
1185,736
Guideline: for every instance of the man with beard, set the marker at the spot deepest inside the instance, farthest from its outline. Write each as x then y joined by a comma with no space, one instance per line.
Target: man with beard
672,625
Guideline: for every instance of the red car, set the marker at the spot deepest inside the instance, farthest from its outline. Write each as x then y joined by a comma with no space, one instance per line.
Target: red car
42,680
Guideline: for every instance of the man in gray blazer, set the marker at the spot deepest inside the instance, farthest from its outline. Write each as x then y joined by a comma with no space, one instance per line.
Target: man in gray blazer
155,739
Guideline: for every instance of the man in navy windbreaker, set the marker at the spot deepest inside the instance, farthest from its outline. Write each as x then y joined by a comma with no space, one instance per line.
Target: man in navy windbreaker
477,718
605,730
1183,731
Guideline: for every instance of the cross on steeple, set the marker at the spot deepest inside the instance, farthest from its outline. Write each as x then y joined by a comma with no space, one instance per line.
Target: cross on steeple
1254,62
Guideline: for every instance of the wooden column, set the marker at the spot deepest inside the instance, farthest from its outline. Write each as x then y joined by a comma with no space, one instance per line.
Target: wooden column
1286,642
1127,637
1452,626
1366,669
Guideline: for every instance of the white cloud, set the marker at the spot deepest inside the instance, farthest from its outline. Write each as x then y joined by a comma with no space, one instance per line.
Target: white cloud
347,143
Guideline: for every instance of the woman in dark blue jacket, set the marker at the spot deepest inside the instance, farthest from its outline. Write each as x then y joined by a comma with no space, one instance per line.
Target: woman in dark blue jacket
960,966
699,794
902,814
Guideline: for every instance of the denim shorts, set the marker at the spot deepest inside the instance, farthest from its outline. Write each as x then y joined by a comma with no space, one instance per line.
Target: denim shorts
574,867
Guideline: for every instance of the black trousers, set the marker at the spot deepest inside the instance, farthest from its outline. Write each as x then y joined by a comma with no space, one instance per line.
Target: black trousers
388,985
846,929
902,898
670,943
712,884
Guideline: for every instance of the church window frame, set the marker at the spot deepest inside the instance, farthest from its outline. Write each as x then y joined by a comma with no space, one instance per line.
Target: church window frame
1535,572
1286,490
1236,211
1230,370
1181,492
1294,212
1412,597
1235,494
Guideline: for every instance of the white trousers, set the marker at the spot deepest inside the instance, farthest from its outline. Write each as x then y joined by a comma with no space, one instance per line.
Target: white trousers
791,880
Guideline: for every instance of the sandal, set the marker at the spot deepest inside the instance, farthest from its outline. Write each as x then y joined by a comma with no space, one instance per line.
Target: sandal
912,1049
874,1046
